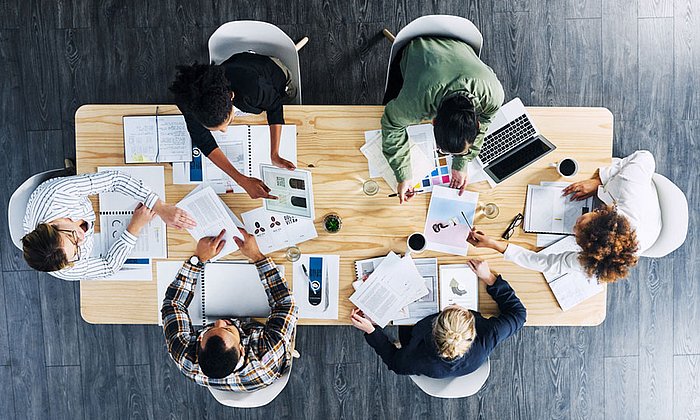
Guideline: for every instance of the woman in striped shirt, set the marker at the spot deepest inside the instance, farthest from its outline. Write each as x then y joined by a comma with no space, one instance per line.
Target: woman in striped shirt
59,224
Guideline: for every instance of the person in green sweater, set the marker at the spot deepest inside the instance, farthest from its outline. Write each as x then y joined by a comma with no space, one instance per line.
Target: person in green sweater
442,80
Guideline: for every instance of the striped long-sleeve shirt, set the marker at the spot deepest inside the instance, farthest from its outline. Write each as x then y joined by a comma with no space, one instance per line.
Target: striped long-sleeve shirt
67,197
267,347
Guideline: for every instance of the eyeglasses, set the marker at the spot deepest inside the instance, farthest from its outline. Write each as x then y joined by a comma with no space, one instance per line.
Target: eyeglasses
517,221
74,239
444,153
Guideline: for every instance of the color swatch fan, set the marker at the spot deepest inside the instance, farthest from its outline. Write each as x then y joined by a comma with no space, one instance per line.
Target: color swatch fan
423,136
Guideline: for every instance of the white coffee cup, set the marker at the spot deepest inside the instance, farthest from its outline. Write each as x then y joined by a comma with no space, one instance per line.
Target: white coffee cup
414,240
566,167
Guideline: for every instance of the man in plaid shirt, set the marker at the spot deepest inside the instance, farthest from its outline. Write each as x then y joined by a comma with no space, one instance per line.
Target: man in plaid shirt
230,354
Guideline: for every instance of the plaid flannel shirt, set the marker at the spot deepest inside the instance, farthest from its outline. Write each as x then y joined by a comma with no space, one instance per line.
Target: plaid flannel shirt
267,347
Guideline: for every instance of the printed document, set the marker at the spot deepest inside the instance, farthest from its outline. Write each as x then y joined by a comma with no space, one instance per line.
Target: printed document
547,211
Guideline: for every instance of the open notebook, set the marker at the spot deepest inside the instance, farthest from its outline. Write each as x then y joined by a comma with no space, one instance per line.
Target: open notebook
230,289
246,147
156,138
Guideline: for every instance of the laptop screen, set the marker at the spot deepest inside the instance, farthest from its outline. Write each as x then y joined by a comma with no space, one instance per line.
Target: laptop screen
518,159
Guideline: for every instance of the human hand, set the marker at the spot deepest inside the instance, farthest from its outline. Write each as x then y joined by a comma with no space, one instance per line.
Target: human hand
481,240
174,216
582,189
482,271
281,162
210,246
142,215
256,188
459,180
248,246
405,191
361,322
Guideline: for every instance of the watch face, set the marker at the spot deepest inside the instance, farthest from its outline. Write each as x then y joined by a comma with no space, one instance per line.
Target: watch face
194,260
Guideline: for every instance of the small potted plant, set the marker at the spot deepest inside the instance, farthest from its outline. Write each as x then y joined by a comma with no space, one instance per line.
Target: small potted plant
332,222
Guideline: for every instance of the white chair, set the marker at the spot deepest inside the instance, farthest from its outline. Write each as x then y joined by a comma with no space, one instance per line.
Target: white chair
674,218
258,37
17,207
257,398
435,25
459,387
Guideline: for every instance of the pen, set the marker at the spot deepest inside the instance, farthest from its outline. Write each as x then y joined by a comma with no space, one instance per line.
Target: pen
306,273
396,195
467,220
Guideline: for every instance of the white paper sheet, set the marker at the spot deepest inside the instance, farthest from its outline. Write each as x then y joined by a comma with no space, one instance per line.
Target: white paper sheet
458,286
328,308
117,209
140,143
421,164
149,139
166,271
394,284
274,231
211,215
139,269
428,304
174,142
445,227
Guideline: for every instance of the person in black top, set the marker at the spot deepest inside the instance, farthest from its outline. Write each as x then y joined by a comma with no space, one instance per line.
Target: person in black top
206,95
451,343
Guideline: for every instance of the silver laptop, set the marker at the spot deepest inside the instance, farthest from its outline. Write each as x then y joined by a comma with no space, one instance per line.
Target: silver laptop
512,142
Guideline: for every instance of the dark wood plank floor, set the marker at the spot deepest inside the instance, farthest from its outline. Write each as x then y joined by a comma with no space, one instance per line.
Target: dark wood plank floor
639,58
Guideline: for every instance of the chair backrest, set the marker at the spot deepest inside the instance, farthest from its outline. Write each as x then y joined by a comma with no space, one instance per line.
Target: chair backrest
17,207
437,25
674,218
258,37
253,399
458,387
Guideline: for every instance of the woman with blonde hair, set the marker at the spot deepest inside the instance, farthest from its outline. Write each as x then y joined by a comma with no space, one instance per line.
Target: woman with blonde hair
453,342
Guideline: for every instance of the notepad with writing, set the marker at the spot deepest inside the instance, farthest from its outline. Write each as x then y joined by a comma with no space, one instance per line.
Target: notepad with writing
548,211
231,289
156,138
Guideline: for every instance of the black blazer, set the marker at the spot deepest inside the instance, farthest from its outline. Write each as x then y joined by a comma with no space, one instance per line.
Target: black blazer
258,85
420,357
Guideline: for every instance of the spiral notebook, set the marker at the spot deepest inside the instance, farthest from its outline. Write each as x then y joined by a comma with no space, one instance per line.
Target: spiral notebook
156,138
230,289
548,212
117,209
246,147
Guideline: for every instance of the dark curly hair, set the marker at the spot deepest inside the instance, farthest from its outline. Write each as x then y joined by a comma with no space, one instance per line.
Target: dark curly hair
203,91
609,245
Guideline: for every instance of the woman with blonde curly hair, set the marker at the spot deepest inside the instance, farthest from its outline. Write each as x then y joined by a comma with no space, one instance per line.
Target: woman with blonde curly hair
608,239
453,342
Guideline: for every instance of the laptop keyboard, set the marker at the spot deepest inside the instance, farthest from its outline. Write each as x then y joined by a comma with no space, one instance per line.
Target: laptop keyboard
506,139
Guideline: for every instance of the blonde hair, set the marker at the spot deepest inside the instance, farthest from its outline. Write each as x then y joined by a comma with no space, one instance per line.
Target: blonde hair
454,332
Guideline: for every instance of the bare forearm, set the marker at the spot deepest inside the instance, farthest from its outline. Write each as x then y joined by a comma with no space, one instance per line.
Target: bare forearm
221,161
275,135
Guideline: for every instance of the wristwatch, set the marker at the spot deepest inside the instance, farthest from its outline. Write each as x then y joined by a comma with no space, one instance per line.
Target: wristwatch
194,260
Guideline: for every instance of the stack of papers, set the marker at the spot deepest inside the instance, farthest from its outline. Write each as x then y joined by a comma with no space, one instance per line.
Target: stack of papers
393,285
449,220
274,231
421,163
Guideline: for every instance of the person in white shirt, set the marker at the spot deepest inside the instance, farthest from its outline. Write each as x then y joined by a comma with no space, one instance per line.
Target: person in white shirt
609,238
59,224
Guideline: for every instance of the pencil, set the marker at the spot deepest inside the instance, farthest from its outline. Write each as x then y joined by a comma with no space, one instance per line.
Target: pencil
396,195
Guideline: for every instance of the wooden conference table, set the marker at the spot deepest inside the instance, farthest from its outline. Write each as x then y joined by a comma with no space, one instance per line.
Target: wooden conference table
329,141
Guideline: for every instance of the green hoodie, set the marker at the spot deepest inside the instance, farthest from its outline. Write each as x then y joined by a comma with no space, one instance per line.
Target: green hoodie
433,68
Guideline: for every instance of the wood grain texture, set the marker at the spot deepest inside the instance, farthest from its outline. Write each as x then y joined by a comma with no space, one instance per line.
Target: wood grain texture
343,168
72,14
551,379
655,8
620,65
131,345
134,392
587,369
97,371
686,386
686,50
166,379
622,331
655,81
622,381
686,271
7,402
584,9
65,392
548,51
584,62
59,321
4,330
26,347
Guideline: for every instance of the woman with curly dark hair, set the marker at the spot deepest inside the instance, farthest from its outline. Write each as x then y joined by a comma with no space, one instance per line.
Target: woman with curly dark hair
207,94
608,239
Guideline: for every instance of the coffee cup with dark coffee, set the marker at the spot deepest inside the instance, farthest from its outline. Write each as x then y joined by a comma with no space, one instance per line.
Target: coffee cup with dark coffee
566,167
416,242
